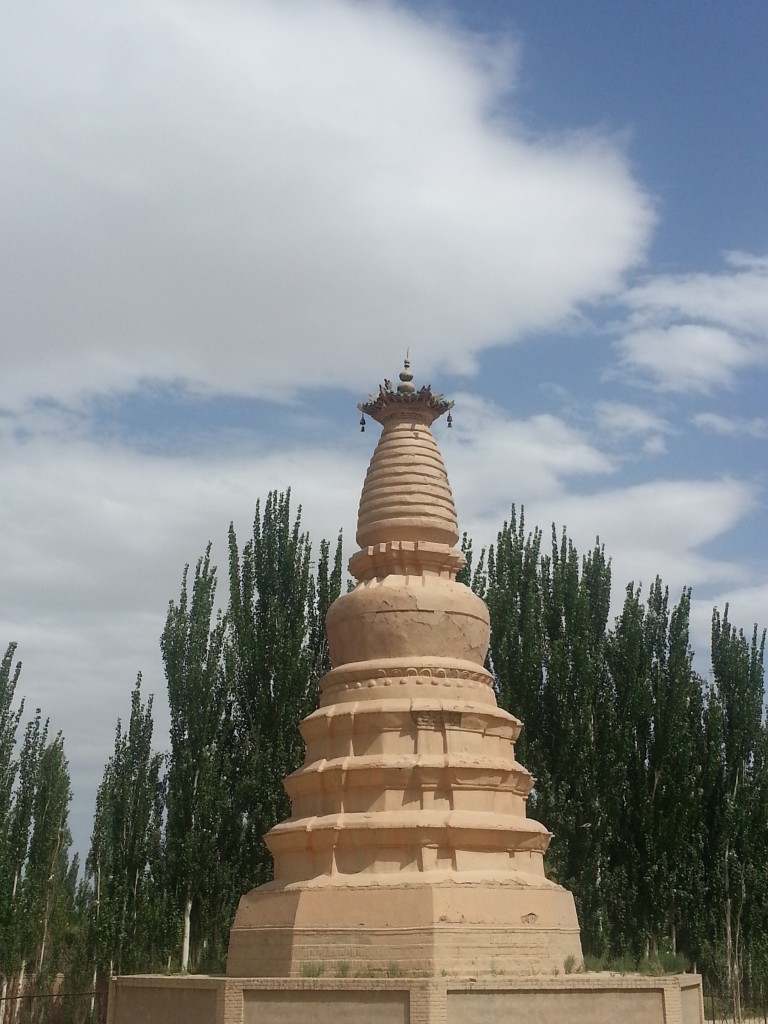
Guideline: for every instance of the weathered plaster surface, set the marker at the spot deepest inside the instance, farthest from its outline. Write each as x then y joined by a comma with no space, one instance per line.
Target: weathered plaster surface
577,999
408,841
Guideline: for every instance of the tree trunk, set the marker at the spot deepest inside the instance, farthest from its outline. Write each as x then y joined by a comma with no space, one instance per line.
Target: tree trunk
41,958
185,937
734,980
93,988
96,956
19,993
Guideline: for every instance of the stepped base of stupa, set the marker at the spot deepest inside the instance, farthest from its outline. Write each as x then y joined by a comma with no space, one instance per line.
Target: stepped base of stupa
472,927
541,999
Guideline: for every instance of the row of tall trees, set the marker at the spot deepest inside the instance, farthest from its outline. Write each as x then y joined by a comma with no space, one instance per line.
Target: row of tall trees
37,878
654,780
178,840
177,837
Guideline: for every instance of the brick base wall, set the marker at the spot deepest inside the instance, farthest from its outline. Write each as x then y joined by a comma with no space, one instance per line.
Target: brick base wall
578,999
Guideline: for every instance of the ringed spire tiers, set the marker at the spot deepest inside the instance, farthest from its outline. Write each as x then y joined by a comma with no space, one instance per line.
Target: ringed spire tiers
406,500
408,840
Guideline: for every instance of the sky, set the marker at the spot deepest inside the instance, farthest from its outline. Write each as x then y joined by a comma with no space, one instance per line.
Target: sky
224,222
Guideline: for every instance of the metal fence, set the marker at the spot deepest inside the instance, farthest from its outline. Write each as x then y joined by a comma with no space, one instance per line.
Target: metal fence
719,1007
86,1007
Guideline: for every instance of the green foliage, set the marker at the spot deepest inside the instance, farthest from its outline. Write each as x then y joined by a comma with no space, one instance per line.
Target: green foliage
37,879
19,929
658,741
655,786
200,760
239,683
9,723
512,588
14,821
47,888
654,966
125,921
275,654
548,634
654,782
312,970
735,797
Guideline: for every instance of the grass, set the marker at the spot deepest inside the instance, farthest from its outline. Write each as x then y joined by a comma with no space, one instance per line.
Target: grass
310,970
654,966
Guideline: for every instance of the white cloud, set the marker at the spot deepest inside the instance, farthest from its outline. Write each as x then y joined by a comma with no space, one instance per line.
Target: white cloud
253,196
735,299
694,332
621,420
93,541
660,527
688,357
731,426
747,607
496,460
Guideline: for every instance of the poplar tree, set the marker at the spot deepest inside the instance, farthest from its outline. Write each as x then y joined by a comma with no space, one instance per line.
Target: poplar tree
276,653
577,725
548,620
37,879
239,684
126,907
511,588
736,801
657,840
198,768
9,723
16,927
47,867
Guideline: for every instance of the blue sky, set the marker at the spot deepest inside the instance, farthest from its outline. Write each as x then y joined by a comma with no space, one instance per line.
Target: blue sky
684,79
224,223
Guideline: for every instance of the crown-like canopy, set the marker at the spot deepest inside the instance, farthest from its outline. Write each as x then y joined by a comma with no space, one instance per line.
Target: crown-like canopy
421,404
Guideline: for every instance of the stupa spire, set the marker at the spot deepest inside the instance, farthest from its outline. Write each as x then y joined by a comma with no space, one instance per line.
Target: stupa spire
406,517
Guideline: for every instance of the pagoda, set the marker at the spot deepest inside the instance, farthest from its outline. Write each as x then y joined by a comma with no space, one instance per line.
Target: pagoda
408,850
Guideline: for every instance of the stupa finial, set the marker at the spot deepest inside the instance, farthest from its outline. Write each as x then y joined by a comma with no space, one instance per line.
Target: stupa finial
406,385
406,399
